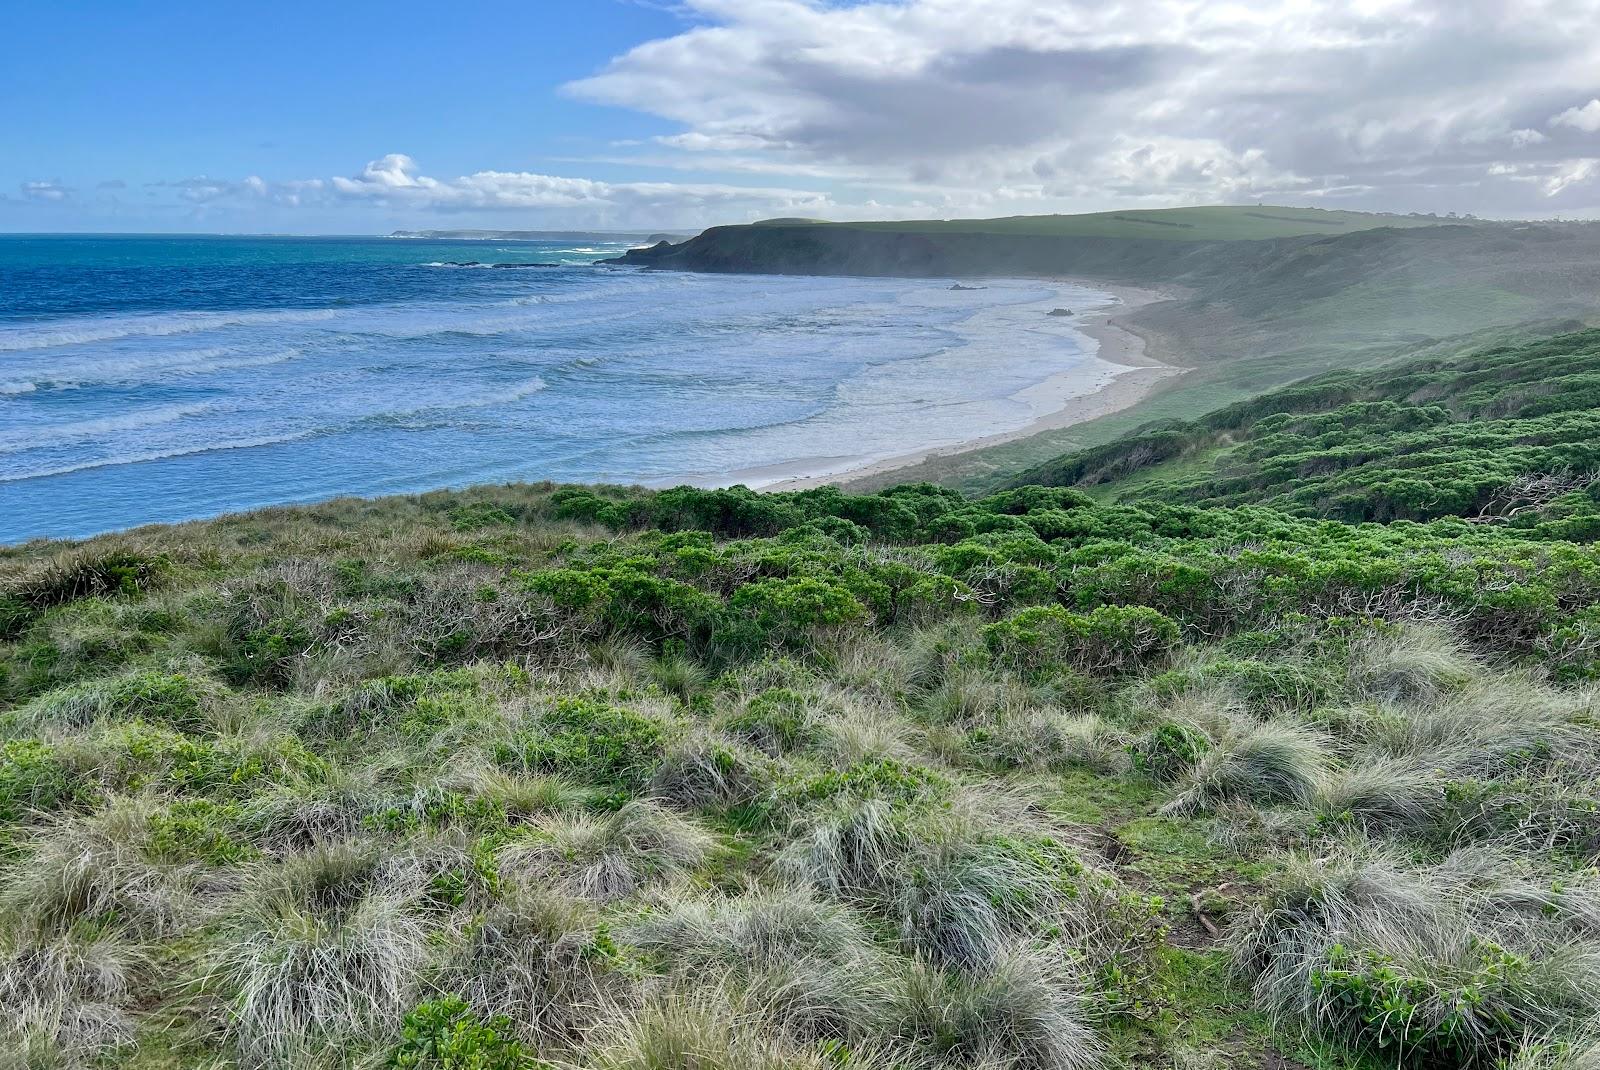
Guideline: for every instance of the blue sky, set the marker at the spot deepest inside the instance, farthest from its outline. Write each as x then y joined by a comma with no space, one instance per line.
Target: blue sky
361,117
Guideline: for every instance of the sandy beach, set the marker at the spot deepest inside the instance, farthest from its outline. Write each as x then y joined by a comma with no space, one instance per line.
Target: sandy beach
1135,374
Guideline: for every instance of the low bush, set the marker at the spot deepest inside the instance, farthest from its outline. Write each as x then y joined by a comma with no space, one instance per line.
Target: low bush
592,741
1110,639
443,1034
34,779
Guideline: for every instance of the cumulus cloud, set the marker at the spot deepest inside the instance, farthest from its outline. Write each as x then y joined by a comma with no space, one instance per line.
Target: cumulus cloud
396,182
1403,103
38,190
1586,118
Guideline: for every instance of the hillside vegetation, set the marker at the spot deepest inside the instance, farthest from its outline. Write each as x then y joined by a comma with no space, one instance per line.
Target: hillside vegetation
1507,435
714,780
1213,223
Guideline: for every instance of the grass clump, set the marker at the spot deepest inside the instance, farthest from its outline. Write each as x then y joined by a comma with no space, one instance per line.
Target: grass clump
608,857
1463,963
319,953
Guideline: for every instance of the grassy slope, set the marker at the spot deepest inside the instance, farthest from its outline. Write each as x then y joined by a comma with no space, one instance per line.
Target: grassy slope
1212,223
1506,431
796,780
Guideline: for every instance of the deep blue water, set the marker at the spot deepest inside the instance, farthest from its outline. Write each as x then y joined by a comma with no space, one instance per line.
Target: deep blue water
164,378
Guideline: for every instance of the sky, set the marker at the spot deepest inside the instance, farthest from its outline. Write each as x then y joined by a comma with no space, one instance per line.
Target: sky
363,117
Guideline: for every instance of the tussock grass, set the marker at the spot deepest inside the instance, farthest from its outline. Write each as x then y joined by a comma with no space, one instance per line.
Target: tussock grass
701,1029
1467,961
704,770
678,675
96,867
854,732
519,795
536,958
1041,739
610,857
70,996
809,964
317,953
1265,764
849,844
963,898
1024,1010
777,794
1418,665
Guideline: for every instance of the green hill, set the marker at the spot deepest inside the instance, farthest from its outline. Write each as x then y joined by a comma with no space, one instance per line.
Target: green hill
1506,435
1210,223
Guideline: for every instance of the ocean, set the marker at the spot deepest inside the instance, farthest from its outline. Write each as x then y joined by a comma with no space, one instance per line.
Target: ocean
164,378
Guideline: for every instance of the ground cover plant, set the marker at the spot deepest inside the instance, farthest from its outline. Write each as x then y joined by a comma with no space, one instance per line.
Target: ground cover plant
601,777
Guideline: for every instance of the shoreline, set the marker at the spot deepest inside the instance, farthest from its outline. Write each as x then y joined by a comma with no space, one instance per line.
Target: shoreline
1116,345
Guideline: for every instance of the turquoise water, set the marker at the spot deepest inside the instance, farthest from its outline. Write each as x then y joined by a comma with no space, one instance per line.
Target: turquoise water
152,379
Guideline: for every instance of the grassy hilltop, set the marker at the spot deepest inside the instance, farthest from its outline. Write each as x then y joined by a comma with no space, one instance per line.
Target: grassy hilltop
1213,223
715,780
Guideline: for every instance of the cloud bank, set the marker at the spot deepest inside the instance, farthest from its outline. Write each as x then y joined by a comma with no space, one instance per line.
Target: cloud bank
1410,104
395,184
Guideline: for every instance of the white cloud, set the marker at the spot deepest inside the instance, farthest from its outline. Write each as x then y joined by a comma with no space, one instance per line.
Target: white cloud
1572,173
396,183
1169,101
44,191
1586,118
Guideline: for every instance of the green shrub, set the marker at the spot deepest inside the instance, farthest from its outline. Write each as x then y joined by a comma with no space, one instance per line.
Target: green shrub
1424,1014
444,1034
478,515
775,721
873,778
33,778
590,740
795,608
1168,750
1109,640
196,830
137,756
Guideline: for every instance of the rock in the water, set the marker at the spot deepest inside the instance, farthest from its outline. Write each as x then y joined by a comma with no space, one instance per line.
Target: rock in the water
1059,312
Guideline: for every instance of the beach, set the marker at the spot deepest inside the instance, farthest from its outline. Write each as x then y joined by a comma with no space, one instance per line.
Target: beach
1059,399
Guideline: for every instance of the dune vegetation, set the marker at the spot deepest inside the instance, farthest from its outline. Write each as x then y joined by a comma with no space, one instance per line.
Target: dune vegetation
1506,434
600,777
